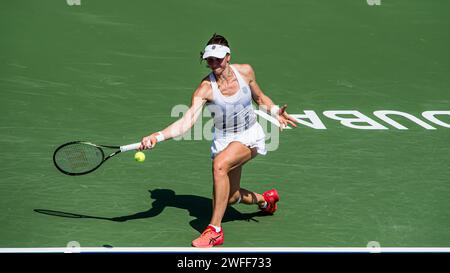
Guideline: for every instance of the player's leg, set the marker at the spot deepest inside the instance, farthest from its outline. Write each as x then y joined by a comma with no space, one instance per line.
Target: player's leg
235,155
235,181
231,158
241,195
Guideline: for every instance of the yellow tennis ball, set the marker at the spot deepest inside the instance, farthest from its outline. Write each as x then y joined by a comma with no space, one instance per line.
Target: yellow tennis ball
139,156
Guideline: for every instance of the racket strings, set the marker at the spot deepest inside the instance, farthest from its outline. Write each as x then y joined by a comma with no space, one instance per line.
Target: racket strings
79,157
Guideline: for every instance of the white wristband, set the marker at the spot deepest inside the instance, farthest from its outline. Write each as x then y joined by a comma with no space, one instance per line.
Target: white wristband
160,137
274,110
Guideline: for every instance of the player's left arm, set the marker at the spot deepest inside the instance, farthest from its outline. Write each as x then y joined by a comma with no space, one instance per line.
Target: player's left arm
263,100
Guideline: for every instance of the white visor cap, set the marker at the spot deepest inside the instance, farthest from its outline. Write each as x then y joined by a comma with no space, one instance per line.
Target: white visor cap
218,51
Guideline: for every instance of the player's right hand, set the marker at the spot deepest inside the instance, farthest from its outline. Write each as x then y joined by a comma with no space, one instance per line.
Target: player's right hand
148,142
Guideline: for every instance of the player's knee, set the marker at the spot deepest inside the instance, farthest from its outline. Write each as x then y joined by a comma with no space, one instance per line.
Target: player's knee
220,168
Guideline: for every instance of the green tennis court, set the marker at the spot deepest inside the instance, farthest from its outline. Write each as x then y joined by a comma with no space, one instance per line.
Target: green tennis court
112,72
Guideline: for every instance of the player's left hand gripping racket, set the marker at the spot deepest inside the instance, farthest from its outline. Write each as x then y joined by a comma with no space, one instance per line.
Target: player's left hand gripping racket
82,157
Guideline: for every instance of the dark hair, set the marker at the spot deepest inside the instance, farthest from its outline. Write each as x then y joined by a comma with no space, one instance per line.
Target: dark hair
216,39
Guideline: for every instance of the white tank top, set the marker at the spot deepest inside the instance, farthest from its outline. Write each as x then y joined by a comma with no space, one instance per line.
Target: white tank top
234,113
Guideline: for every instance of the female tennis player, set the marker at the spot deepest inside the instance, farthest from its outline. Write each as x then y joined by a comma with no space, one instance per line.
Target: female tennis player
228,92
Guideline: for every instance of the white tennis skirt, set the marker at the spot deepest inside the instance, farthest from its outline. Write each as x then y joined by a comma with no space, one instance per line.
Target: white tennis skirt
253,137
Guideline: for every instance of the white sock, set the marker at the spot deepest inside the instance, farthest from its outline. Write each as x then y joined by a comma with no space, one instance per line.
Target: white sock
264,206
216,228
239,200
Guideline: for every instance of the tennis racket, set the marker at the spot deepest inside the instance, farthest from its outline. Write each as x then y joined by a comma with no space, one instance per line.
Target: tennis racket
82,157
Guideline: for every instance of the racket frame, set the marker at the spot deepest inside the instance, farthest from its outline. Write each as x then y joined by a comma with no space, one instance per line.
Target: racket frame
99,147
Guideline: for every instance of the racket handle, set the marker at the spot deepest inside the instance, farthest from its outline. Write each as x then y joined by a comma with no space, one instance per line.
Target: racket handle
130,147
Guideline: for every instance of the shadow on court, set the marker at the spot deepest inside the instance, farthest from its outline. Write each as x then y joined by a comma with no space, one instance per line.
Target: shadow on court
197,206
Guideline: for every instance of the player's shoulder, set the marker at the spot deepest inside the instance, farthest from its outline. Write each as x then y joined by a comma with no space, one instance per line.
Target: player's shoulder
205,83
244,68
246,72
204,89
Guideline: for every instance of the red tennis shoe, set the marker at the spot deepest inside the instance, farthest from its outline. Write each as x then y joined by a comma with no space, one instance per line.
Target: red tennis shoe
271,197
209,238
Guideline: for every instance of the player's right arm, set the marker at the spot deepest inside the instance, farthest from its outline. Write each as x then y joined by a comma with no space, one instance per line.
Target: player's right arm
200,96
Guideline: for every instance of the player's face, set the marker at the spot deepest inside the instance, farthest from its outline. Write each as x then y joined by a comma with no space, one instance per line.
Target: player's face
216,64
